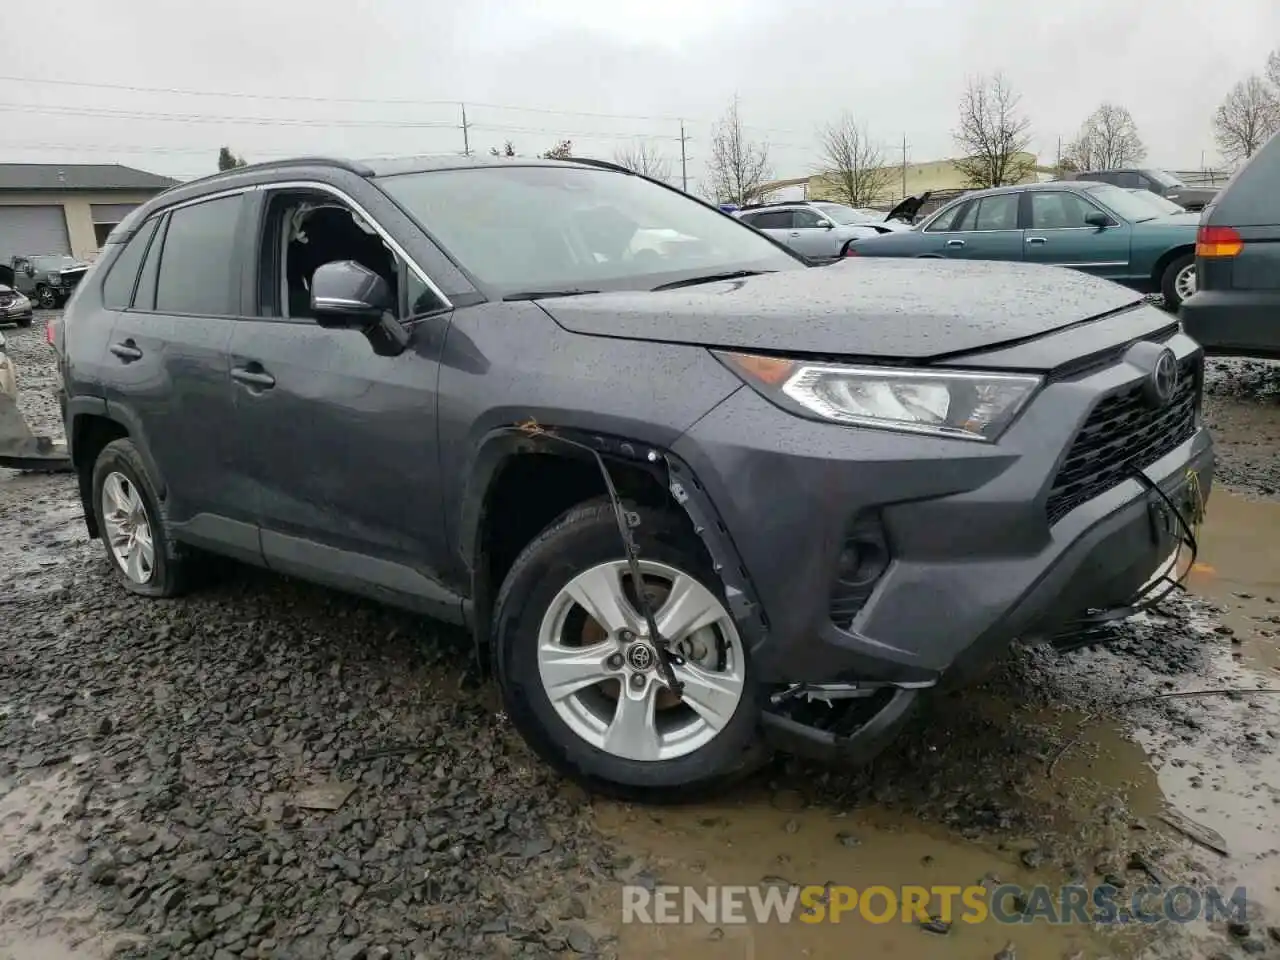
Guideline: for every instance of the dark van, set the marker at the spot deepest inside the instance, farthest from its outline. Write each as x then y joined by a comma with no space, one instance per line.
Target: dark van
1236,309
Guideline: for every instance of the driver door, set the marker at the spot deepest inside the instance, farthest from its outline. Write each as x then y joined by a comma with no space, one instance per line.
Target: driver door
339,432
812,234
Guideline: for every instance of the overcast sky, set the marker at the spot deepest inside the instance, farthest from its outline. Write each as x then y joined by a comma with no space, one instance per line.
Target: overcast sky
628,70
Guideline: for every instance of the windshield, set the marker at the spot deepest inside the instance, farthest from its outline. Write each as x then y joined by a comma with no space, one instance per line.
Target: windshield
533,228
55,263
842,214
1165,178
1136,205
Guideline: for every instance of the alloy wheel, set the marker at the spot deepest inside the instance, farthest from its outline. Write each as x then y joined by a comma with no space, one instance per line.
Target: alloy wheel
600,669
128,528
1184,284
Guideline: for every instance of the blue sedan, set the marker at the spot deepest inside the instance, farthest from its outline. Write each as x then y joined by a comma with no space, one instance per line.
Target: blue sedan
1132,237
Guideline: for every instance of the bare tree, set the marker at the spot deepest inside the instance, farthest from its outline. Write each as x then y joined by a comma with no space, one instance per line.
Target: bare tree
1108,140
738,167
1247,118
561,151
643,159
993,133
853,163
1273,69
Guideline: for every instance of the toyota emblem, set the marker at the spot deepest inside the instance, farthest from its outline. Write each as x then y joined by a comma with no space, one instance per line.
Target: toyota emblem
1163,381
640,656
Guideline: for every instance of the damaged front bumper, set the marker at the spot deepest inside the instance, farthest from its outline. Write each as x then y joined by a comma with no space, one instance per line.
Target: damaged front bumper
969,557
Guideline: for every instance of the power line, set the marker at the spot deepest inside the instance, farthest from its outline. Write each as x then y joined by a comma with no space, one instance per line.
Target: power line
388,101
177,91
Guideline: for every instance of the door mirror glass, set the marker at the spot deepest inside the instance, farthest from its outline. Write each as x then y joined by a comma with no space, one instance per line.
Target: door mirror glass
1098,220
346,294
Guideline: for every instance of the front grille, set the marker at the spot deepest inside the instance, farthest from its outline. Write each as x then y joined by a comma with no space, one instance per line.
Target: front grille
1124,433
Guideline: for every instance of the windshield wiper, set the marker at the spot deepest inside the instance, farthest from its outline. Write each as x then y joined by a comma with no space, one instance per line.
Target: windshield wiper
541,294
710,278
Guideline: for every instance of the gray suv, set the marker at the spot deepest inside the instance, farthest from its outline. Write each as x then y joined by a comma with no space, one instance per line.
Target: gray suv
693,499
816,228
1160,182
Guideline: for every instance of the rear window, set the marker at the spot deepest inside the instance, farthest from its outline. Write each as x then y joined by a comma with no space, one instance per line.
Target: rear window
197,260
122,275
1251,197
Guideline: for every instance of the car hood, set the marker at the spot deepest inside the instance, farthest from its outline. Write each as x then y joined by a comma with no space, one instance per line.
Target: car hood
876,308
1177,220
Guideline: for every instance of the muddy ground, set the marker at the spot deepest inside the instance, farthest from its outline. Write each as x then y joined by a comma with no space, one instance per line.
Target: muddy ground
162,766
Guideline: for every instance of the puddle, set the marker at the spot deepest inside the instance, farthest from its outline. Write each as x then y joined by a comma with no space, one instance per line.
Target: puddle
1212,760
1239,567
33,844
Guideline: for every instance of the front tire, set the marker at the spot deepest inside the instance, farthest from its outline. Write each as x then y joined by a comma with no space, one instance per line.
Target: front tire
578,678
1178,281
133,524
47,298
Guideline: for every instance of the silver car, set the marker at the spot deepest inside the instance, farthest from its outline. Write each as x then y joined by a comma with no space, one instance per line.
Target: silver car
818,228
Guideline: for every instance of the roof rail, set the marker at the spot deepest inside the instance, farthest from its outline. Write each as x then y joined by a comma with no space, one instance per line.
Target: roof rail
351,166
778,203
603,164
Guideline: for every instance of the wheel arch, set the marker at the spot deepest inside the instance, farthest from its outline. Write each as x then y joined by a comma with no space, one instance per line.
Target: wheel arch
90,428
519,484
1166,258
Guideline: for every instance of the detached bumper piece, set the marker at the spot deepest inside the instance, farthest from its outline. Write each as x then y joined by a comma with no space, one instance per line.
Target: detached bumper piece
1177,517
838,721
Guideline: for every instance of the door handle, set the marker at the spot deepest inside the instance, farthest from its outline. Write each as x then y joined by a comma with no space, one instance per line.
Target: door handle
127,351
795,233
1036,240
955,243
253,377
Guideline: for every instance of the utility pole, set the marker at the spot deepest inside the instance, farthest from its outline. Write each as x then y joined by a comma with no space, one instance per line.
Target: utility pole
466,135
684,161
904,166
1059,165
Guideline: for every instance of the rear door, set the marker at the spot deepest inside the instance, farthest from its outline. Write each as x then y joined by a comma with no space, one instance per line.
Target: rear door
1057,234
987,230
167,370
776,223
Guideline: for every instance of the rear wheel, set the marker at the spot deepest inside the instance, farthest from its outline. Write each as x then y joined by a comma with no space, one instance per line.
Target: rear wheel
47,298
579,674
133,524
1178,281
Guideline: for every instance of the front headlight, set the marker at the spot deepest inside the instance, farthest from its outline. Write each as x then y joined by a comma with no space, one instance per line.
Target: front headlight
946,403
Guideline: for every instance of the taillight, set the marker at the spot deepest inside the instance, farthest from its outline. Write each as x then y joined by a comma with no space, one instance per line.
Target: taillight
48,333
1218,242
850,252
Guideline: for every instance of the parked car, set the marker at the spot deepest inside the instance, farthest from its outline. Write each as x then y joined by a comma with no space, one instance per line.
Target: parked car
48,280
1137,239
1160,182
816,228
14,307
1236,309
449,385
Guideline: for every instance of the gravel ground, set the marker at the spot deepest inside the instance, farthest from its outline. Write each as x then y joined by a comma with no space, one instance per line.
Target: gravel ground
269,769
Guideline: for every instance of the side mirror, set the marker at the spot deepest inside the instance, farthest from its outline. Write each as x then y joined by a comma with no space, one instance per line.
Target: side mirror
828,225
1098,220
346,294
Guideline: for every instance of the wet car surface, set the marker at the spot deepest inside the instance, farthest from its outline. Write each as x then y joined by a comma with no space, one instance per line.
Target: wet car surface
161,766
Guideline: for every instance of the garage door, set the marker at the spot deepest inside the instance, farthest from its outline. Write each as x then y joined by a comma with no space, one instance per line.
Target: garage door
27,231
106,216
111,213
